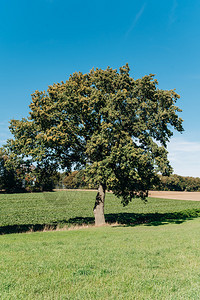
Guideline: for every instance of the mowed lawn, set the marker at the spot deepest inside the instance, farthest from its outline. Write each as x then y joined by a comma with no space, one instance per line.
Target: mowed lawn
141,262
152,252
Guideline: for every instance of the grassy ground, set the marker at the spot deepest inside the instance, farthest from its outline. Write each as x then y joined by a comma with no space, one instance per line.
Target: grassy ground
142,262
21,212
156,260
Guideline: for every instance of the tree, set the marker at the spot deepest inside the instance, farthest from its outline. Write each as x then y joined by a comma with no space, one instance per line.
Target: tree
20,175
178,183
114,126
76,180
11,172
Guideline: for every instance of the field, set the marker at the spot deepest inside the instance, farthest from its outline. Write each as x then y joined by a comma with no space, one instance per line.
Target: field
152,252
36,211
195,196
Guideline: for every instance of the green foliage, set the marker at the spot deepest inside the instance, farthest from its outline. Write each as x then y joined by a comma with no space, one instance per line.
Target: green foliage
46,178
105,121
178,183
18,174
11,172
70,181
77,180
174,182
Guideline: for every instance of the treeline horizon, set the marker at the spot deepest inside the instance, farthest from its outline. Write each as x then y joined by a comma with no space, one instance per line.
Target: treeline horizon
19,177
173,182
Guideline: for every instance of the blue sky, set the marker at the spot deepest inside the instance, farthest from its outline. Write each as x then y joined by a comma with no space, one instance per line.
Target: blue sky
44,41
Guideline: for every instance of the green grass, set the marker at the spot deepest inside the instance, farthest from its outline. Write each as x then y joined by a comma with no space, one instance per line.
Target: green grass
21,212
156,260
142,262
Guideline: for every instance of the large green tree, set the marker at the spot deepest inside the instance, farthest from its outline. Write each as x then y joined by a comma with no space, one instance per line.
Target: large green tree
114,126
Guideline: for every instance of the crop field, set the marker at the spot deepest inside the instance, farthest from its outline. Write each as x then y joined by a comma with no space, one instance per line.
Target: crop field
151,252
36,211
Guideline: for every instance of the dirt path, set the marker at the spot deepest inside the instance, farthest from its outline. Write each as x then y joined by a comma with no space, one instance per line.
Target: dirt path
195,196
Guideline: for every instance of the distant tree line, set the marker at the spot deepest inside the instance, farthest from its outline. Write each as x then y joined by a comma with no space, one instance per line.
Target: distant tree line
174,182
17,175
178,183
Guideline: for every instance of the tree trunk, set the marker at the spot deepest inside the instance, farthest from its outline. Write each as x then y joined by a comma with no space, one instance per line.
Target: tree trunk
99,206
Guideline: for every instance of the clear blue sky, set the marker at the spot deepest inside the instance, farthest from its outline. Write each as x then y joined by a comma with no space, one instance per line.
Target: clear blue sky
44,41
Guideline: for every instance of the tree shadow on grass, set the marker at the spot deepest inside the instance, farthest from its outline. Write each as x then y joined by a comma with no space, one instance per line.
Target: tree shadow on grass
151,219
134,219
123,219
22,228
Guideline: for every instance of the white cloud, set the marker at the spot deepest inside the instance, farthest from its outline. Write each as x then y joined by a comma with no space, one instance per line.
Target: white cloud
172,15
135,20
184,157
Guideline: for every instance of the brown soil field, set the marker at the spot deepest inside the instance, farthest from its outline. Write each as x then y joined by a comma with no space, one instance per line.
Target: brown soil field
195,196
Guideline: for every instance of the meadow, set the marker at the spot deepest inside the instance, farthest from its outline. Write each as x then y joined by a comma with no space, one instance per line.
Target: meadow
36,211
152,252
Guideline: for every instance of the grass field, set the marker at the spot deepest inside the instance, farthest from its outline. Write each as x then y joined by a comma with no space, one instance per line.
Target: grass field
142,262
151,253
23,212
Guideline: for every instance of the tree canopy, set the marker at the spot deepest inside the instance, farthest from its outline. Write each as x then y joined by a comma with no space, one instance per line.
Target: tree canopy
105,121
